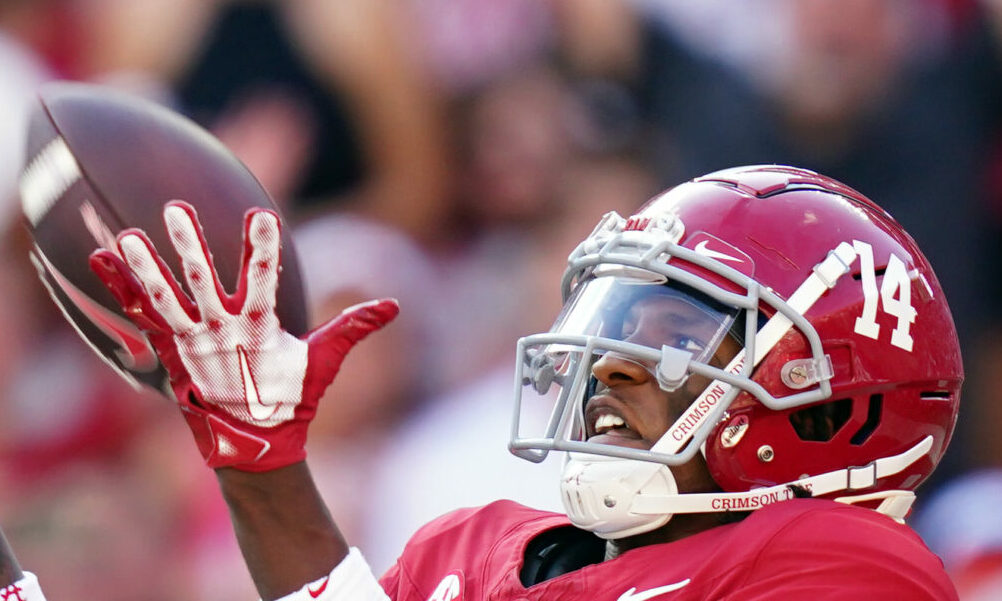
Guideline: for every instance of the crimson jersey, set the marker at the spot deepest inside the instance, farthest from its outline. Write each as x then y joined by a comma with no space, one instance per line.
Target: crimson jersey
809,549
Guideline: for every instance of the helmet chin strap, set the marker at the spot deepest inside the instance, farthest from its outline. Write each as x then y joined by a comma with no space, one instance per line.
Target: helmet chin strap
617,498
599,493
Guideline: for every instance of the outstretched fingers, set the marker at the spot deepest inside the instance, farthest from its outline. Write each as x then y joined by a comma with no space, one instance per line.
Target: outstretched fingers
262,236
127,290
186,234
117,278
163,290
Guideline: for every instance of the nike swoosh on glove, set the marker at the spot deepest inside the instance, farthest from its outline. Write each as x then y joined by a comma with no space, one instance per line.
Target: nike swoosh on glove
248,389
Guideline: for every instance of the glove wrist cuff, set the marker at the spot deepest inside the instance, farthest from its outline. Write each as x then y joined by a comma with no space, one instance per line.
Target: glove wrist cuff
226,445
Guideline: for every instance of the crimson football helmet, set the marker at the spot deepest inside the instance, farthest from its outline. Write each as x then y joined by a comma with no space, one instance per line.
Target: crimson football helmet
847,379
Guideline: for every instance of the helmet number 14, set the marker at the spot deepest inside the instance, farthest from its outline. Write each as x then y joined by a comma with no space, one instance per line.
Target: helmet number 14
894,295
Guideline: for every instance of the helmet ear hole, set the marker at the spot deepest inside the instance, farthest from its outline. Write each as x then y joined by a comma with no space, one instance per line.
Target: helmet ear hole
820,423
873,414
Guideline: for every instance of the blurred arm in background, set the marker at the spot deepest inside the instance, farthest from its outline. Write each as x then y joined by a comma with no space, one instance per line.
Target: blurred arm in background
321,100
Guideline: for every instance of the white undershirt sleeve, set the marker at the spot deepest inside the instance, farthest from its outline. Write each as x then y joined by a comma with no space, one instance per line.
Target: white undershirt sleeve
350,580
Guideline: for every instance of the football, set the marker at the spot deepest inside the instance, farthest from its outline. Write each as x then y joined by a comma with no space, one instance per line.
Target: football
100,161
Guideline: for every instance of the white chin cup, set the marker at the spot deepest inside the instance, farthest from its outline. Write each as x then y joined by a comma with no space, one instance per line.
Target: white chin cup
598,493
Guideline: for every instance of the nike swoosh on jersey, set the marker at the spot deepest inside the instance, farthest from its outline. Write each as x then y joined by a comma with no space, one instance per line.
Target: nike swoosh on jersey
320,590
633,595
702,249
258,410
134,350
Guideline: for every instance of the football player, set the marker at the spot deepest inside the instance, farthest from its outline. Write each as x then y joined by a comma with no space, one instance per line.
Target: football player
749,377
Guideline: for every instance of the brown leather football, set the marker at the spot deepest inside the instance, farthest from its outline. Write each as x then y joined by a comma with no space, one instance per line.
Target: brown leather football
100,161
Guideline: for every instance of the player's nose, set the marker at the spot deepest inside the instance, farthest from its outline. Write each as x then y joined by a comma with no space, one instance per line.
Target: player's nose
613,369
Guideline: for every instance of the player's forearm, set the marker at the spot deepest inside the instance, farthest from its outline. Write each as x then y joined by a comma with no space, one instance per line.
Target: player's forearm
15,583
10,571
284,529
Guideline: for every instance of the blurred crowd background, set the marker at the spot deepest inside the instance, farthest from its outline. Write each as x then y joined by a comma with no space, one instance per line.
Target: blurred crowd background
451,153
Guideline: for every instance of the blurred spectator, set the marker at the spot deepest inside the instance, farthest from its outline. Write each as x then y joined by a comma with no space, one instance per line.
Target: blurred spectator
465,45
74,438
71,446
68,421
23,71
756,38
987,445
515,152
346,260
356,124
141,47
452,453
55,437
531,193
320,99
960,524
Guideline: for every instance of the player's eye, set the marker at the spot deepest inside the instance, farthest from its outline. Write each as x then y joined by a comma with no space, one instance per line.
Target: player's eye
688,343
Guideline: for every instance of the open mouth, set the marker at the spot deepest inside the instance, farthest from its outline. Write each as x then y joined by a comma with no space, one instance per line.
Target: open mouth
606,425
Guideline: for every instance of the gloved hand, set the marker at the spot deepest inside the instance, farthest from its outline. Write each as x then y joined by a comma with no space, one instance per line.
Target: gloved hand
248,389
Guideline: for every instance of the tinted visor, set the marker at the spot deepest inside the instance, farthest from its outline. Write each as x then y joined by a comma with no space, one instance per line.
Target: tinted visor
649,314
665,328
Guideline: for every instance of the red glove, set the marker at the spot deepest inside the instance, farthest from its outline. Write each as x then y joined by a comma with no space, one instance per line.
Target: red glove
248,388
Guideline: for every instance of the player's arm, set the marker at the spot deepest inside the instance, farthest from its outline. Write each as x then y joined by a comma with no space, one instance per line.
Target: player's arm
248,390
10,570
284,529
291,545
14,582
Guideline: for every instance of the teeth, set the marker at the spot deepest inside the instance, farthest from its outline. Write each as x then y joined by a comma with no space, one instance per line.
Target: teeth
608,421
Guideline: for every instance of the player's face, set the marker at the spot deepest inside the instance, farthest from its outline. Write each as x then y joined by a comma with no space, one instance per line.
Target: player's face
628,407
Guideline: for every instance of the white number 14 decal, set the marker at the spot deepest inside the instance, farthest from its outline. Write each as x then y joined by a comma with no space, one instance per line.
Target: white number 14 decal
895,295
